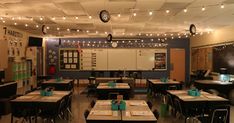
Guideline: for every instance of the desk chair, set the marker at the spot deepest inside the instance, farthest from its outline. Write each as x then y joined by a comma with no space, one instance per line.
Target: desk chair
92,103
150,105
156,114
171,103
86,114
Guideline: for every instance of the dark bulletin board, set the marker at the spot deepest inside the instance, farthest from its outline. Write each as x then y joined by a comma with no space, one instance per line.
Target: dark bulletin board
69,59
223,57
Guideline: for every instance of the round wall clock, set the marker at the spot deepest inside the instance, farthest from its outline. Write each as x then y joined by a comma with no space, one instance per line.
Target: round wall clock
192,29
114,44
44,30
104,16
109,38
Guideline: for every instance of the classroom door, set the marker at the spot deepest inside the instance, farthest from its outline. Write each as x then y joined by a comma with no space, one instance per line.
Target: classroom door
177,64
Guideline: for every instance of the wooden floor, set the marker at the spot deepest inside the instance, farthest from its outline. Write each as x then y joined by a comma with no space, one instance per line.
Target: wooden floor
80,102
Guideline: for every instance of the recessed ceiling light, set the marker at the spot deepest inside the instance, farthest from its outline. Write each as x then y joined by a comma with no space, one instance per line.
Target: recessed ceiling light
119,15
185,10
222,6
15,23
90,17
150,13
203,8
134,14
167,11
58,28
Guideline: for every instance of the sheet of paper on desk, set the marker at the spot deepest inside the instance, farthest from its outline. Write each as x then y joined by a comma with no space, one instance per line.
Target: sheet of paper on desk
102,112
141,113
135,103
104,103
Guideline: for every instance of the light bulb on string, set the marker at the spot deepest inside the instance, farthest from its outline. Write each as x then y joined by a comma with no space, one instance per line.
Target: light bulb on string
167,11
185,10
150,13
37,26
134,14
119,15
203,8
222,6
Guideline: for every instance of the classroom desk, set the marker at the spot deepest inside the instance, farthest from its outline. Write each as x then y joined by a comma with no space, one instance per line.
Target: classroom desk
108,79
103,90
35,102
155,85
203,104
136,111
63,85
224,88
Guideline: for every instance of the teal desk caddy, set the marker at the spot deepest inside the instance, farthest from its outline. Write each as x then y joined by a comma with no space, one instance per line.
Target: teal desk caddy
114,105
164,79
58,79
46,93
122,105
194,92
111,84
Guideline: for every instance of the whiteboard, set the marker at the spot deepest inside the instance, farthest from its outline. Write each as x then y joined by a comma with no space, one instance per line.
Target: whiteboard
101,59
146,58
122,59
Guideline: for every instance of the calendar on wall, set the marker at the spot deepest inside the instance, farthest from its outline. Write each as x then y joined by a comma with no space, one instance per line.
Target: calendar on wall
69,59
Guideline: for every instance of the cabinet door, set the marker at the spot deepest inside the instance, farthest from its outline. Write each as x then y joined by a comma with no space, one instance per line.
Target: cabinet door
3,54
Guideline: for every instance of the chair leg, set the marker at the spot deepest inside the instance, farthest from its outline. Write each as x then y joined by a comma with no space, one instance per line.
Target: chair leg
11,118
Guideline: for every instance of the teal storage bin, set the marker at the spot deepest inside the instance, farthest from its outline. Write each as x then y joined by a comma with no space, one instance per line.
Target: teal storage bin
122,105
111,84
114,107
194,92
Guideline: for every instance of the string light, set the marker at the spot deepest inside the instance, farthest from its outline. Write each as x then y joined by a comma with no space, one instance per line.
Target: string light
167,11
76,17
15,23
53,18
87,31
1,18
150,13
3,21
26,25
64,18
134,14
119,15
20,18
222,6
47,27
77,30
37,26
31,18
96,32
41,18
68,30
185,10
203,8
58,28
90,17
12,18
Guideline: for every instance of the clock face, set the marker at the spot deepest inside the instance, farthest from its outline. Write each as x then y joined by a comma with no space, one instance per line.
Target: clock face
109,37
44,30
114,44
104,16
192,29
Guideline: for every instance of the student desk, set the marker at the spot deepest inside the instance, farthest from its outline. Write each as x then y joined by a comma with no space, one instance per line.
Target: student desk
155,85
137,111
103,90
205,103
63,85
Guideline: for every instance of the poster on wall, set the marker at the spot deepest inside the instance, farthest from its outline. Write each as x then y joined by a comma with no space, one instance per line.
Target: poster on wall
69,59
160,61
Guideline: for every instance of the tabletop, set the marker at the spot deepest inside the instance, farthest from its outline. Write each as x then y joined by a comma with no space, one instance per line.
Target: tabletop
35,96
183,95
114,78
118,86
102,111
158,81
213,82
136,110
54,81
